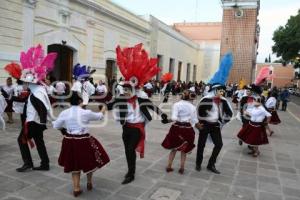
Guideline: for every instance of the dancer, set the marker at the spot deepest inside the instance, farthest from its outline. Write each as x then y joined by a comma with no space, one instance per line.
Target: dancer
271,108
134,104
181,135
79,151
3,105
37,109
254,133
7,91
166,80
214,112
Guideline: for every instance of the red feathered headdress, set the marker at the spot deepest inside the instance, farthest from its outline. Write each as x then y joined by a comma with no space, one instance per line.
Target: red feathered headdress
14,70
135,65
167,77
263,75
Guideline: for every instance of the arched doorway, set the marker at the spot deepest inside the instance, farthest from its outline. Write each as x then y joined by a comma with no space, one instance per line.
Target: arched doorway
63,63
110,73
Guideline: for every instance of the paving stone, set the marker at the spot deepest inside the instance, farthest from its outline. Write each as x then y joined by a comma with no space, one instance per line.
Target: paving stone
291,192
242,193
269,187
208,195
269,196
131,191
222,179
287,169
219,188
248,182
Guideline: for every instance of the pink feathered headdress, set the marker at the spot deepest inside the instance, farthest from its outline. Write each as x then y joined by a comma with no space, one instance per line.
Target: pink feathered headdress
135,65
263,75
35,65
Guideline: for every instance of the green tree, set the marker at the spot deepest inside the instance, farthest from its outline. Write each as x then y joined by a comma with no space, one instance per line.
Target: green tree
266,60
287,39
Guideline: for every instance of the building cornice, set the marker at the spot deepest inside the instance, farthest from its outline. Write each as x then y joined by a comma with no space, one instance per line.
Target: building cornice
240,4
173,33
119,18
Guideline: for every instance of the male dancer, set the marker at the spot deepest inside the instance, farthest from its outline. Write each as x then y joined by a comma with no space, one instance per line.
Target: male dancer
214,111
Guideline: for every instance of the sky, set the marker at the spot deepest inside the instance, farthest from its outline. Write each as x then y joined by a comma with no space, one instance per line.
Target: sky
272,14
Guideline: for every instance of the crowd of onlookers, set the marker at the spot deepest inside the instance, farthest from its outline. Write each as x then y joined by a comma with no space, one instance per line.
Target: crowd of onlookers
103,92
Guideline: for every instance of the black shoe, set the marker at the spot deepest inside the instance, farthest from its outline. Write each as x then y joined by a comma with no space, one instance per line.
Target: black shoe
128,180
240,142
25,168
42,168
213,169
198,168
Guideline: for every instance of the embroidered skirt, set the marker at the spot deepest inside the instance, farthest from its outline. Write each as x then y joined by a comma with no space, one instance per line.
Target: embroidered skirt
9,107
275,118
82,153
254,134
181,137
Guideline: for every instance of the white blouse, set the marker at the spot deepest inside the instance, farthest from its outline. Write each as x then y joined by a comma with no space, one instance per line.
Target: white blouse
101,89
18,106
9,90
184,111
76,120
258,114
271,102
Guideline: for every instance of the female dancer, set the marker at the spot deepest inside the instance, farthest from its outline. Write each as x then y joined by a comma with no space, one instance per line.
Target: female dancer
80,151
254,132
181,135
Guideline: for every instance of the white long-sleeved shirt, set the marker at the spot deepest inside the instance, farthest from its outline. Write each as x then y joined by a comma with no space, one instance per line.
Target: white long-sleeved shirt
77,87
76,120
184,111
39,92
9,90
271,102
101,89
18,106
258,114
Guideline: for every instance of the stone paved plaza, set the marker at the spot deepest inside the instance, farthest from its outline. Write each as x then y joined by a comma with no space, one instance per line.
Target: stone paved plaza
274,175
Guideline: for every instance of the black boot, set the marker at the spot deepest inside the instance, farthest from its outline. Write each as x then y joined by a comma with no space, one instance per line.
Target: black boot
198,168
24,168
213,169
128,179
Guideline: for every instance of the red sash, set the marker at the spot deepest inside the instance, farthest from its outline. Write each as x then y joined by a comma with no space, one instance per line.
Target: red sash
25,137
141,145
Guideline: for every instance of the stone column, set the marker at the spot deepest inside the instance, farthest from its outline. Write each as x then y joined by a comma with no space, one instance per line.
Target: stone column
28,23
90,41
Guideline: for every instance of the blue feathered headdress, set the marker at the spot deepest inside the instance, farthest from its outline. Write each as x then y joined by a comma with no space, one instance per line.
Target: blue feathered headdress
221,76
80,72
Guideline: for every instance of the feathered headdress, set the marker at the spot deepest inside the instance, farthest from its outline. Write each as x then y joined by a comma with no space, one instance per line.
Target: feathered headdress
14,70
263,75
135,65
220,77
80,72
166,77
35,65
222,74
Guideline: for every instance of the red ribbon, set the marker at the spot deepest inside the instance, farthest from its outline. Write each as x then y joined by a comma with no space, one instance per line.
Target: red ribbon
250,99
25,137
217,100
132,101
141,145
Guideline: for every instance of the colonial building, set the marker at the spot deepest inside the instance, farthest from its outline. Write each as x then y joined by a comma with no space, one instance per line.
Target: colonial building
88,31
208,36
282,76
240,32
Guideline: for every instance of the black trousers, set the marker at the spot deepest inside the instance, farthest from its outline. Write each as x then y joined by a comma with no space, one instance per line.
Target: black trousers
131,138
284,105
35,131
215,133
